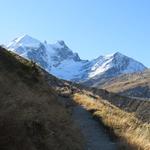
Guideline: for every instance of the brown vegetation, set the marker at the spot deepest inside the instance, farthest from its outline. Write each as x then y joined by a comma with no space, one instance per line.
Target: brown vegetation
30,115
134,85
124,124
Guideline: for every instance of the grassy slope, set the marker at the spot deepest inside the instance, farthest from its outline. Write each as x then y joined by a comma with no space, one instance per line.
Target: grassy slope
136,85
137,106
30,115
134,133
35,98
123,115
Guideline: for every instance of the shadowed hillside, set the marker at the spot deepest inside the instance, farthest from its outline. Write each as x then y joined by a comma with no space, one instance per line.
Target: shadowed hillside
30,114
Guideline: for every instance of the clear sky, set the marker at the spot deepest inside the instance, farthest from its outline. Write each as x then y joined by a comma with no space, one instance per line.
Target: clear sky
89,27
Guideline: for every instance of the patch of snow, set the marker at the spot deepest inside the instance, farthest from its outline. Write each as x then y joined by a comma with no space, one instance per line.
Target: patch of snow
24,41
102,64
68,69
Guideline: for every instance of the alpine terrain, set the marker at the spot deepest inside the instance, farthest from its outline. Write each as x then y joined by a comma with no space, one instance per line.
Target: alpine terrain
59,60
31,116
38,111
133,85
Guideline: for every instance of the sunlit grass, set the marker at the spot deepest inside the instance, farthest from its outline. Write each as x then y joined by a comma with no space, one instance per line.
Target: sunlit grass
124,124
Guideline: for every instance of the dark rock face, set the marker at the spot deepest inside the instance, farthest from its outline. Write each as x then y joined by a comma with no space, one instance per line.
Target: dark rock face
64,53
38,55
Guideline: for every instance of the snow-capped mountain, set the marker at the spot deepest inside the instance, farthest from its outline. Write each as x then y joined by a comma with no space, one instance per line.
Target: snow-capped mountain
56,58
109,66
60,61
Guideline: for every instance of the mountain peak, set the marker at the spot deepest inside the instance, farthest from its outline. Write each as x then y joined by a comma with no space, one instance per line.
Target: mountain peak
62,62
24,41
61,42
114,54
23,38
118,54
26,36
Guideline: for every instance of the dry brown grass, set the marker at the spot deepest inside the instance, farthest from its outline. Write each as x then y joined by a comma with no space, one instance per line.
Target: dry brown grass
124,124
31,117
136,84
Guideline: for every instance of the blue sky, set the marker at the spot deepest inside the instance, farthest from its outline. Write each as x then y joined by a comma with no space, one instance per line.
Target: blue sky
89,27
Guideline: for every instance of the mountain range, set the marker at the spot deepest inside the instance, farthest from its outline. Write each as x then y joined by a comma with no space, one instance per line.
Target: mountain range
59,60
38,109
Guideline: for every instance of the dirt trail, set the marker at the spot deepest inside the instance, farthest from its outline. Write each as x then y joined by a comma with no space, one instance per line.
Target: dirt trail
95,136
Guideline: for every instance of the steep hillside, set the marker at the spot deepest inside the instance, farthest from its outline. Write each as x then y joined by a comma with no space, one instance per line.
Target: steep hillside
125,117
133,85
30,115
134,134
59,60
